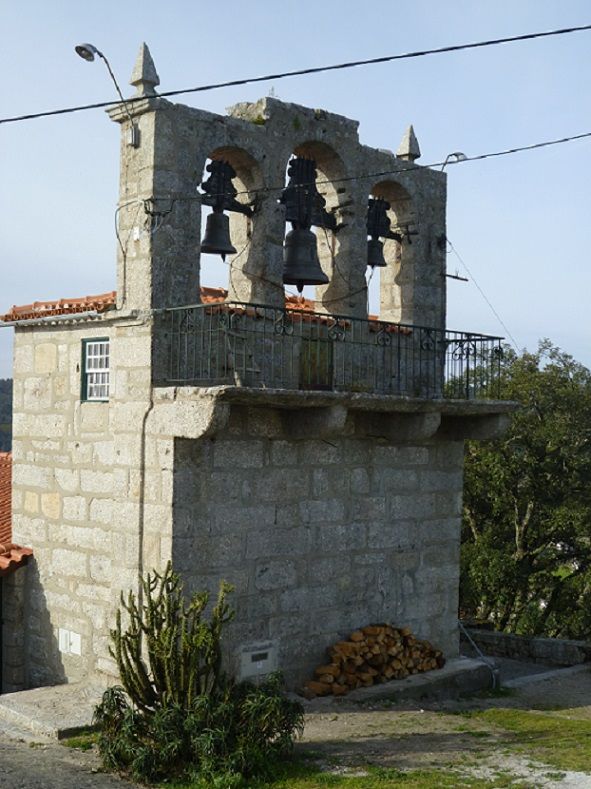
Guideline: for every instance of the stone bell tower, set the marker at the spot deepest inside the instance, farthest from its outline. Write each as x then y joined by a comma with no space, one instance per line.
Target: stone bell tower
313,456
159,211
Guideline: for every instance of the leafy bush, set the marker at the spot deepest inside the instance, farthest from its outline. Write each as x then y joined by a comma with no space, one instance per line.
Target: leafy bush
178,715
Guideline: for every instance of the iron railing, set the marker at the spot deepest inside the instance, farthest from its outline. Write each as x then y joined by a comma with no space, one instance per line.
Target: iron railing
262,346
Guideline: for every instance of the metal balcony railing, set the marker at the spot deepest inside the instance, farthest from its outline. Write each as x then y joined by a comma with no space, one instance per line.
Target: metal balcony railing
269,347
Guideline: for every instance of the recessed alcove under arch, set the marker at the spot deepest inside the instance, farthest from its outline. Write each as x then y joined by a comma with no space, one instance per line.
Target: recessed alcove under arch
230,273
333,188
394,281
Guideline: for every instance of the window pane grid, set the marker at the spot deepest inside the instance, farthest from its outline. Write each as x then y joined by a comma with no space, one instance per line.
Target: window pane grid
96,370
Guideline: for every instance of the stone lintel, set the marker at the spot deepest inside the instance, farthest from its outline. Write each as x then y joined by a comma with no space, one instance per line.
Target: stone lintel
479,428
315,422
398,428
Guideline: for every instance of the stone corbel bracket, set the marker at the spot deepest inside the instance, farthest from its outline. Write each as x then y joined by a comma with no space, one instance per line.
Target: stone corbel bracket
193,412
187,417
397,428
485,427
324,422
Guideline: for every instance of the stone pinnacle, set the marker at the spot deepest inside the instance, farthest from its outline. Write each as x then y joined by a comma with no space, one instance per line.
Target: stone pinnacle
144,76
409,146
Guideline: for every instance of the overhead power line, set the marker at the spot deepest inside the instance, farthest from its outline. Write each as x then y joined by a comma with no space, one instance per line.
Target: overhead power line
305,71
483,294
395,171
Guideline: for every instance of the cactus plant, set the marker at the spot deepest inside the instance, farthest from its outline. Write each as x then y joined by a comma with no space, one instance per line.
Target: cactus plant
177,715
168,653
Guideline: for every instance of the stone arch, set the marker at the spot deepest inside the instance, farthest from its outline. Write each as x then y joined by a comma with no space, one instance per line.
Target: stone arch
244,230
335,251
396,279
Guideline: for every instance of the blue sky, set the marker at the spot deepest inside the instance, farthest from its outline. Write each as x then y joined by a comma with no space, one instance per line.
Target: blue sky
521,223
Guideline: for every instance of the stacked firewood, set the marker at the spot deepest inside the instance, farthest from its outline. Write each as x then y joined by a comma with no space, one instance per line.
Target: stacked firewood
374,654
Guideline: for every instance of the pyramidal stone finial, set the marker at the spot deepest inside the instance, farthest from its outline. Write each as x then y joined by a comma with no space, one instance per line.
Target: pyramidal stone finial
144,77
409,146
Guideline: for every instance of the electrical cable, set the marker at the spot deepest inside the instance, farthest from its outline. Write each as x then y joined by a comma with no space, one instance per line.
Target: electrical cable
369,279
488,662
482,293
335,264
408,168
307,71
231,265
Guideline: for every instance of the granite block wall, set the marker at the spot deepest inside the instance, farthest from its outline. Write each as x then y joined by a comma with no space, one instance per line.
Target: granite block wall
80,471
320,537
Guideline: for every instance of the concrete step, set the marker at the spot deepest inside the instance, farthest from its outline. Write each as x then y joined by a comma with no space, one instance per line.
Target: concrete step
57,711
458,676
63,710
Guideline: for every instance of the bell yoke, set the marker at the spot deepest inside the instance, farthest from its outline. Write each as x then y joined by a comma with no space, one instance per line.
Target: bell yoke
304,208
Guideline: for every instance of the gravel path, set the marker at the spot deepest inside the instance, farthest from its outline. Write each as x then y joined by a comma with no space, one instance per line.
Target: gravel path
26,763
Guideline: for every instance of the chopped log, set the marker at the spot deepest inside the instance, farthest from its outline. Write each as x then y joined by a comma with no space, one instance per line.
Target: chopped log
318,688
371,630
373,654
326,678
338,690
333,669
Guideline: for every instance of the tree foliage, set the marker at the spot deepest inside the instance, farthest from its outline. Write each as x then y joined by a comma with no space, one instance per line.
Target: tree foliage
526,541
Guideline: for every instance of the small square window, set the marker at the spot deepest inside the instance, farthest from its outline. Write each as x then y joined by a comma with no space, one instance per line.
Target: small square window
95,369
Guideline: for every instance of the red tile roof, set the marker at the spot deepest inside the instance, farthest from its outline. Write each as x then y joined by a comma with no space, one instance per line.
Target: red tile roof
11,555
106,301
5,497
99,303
43,309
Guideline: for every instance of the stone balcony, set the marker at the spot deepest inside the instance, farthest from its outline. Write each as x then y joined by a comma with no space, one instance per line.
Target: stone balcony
324,374
267,347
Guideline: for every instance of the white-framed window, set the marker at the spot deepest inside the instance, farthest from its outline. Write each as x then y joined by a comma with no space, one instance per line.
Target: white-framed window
95,369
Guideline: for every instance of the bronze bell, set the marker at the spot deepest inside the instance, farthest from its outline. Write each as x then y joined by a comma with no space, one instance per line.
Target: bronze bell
300,258
217,239
375,253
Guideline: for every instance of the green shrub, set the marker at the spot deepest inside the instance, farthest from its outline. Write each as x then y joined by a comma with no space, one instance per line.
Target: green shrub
178,715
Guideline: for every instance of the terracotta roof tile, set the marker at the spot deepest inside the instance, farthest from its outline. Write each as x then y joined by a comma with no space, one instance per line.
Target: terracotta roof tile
11,556
106,301
98,303
43,309
5,497
212,295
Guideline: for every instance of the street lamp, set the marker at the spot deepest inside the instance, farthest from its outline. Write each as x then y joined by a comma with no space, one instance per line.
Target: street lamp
88,52
457,156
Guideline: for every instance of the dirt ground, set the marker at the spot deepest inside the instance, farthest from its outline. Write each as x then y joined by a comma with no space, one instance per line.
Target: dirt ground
26,764
414,735
345,737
